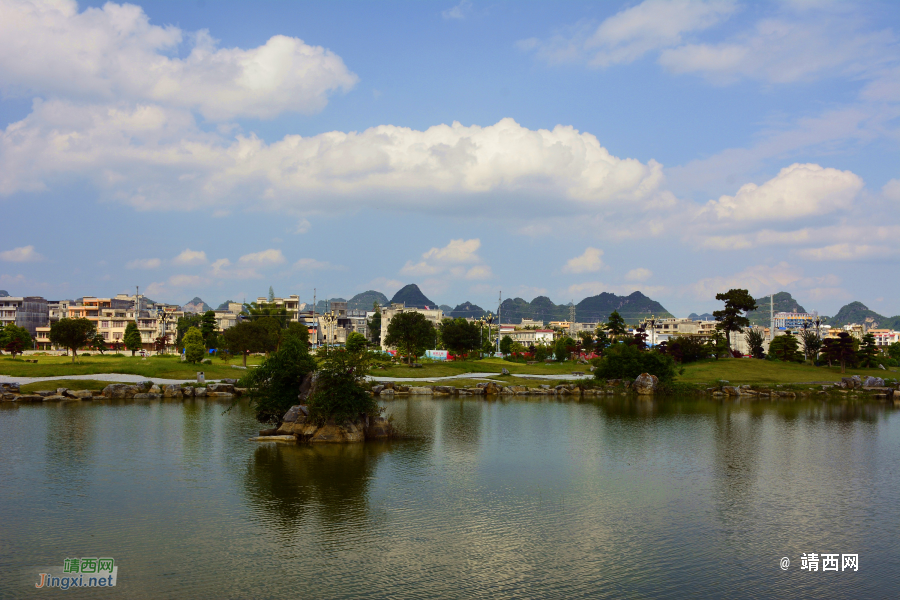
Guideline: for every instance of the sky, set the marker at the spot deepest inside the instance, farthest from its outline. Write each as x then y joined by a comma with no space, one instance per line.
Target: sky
677,148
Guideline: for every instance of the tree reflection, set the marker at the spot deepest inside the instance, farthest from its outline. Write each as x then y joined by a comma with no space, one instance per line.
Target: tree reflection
285,483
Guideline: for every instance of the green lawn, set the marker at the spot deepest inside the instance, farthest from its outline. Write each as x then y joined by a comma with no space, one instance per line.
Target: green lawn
486,365
164,368
750,371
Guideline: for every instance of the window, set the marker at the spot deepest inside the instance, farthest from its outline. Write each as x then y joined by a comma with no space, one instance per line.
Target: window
117,336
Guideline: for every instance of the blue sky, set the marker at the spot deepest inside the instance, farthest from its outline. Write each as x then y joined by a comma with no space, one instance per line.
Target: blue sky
535,148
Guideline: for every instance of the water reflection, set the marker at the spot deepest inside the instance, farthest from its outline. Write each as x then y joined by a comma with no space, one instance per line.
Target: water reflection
286,483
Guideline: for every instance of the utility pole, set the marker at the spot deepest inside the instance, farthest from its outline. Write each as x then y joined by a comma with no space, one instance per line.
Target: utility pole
499,319
137,303
572,316
771,317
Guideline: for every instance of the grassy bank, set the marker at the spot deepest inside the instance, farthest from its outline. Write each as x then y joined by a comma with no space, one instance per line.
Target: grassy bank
750,371
69,384
485,365
168,367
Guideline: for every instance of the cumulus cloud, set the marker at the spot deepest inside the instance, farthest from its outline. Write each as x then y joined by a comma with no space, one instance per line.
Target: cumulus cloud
223,269
639,274
459,11
590,261
633,32
303,226
113,52
144,263
311,264
262,259
759,280
190,257
891,190
22,254
449,260
797,191
847,251
157,158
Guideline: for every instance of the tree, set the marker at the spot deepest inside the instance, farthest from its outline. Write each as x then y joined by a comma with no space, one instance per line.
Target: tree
718,345
208,328
185,323
161,343
244,338
296,330
271,294
615,326
460,336
868,351
254,311
685,349
72,334
627,361
755,341
602,342
339,393
98,342
894,350
812,343
563,348
356,342
15,339
731,318
506,344
276,382
373,325
785,348
587,340
194,349
411,333
133,337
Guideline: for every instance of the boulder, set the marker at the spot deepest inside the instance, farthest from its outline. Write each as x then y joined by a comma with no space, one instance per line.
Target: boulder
45,393
7,397
62,391
29,398
379,428
504,371
292,414
731,390
154,389
331,433
145,385
420,391
377,389
200,392
80,394
230,381
9,388
645,384
172,391
55,398
227,388
147,396
188,391
851,383
477,391
121,390
874,382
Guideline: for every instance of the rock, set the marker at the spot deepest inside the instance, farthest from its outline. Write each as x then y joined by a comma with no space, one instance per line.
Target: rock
379,428
731,390
172,391
45,393
331,433
874,382
851,383
613,382
29,398
55,398
477,391
229,382
306,388
387,392
10,388
219,395
645,384
121,390
420,391
881,366
188,391
200,392
228,388
504,371
265,432
402,388
240,391
7,397
147,396
291,415
377,389
62,391
154,389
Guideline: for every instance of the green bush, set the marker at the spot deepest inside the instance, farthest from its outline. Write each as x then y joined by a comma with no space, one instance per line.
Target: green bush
194,353
276,381
339,392
627,361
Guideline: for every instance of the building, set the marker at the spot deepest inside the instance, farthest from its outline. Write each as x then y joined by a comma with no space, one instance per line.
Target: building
531,323
885,337
291,304
528,337
29,312
794,320
435,315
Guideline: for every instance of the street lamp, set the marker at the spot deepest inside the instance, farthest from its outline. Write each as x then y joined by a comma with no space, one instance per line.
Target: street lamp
490,319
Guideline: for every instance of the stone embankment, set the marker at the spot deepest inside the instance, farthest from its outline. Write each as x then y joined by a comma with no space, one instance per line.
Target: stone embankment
390,389
296,426
146,390
853,386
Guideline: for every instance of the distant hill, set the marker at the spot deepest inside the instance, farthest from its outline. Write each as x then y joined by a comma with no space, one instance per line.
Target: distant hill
4,294
784,302
446,308
224,305
323,306
365,300
466,309
857,312
593,309
196,306
412,297
703,317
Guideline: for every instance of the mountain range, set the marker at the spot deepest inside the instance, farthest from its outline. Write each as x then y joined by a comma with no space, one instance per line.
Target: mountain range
196,306
593,309
4,294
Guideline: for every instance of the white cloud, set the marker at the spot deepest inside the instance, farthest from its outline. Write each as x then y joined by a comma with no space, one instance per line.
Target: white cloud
759,280
22,254
419,268
263,259
144,263
479,272
797,191
633,32
639,274
222,269
457,251
156,288
190,257
847,251
156,158
459,11
115,53
311,264
891,190
187,280
590,261
303,226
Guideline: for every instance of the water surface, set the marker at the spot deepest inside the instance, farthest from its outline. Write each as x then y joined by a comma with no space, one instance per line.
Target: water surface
524,498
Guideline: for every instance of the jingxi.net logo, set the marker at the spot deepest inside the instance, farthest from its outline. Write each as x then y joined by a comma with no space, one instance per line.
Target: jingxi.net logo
79,572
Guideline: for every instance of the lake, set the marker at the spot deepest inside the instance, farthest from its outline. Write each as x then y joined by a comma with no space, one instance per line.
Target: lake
518,498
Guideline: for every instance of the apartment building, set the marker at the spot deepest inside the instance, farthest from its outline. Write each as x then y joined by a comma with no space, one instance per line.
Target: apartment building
435,315
29,312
